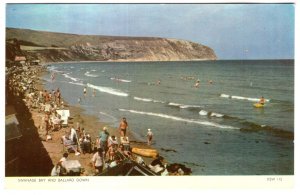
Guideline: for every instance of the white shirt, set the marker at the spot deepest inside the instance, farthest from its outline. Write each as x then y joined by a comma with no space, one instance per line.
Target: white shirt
97,160
63,159
73,133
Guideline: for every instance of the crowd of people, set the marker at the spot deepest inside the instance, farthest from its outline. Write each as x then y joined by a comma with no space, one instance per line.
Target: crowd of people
106,150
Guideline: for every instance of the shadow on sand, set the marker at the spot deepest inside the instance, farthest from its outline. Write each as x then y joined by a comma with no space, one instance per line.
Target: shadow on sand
33,157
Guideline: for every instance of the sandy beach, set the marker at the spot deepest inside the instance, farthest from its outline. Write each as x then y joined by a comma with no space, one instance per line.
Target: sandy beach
39,155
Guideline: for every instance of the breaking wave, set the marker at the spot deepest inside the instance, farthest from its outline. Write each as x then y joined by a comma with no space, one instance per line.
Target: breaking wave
66,75
80,84
120,80
211,114
108,90
88,74
183,106
242,98
147,100
205,123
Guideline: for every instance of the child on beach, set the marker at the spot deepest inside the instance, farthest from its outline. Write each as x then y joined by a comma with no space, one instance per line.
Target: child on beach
125,142
149,137
112,147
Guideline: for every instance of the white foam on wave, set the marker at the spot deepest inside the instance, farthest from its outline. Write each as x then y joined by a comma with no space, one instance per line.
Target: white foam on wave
143,99
108,90
121,80
90,75
203,113
206,123
242,98
248,98
190,106
216,115
148,100
54,69
212,114
183,106
108,115
66,75
81,84
174,104
225,96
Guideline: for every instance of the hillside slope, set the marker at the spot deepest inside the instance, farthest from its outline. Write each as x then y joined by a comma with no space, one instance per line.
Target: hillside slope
59,47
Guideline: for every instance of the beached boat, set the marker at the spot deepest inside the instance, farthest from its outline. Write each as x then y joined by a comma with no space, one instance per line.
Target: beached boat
145,152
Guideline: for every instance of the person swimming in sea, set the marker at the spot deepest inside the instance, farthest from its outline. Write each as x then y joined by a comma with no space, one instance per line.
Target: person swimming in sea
197,84
84,91
262,100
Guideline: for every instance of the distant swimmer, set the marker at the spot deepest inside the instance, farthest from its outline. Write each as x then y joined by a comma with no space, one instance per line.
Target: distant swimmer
158,82
197,84
94,92
262,100
52,76
210,82
84,91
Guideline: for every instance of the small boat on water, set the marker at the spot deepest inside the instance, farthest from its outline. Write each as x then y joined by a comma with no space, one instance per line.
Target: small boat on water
258,105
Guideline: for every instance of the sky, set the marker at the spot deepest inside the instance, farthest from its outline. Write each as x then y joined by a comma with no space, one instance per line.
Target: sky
233,31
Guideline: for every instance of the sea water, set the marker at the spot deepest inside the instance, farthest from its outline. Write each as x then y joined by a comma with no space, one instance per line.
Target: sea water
213,129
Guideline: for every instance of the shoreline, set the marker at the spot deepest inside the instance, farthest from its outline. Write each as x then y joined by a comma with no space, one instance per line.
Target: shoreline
92,125
122,61
53,148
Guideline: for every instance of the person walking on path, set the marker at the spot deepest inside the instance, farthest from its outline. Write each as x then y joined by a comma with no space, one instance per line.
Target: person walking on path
149,137
123,127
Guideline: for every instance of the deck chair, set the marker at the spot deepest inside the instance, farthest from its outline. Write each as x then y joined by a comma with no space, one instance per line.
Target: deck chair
68,145
65,114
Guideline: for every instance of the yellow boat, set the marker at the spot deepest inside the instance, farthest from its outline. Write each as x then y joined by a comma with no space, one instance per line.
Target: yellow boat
258,105
145,152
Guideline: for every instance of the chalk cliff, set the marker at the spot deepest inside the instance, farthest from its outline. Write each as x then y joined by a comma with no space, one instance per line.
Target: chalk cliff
60,47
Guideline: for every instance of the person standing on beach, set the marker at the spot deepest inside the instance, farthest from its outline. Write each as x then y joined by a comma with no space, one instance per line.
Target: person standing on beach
63,170
47,122
58,95
98,160
123,127
103,136
149,137
74,138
